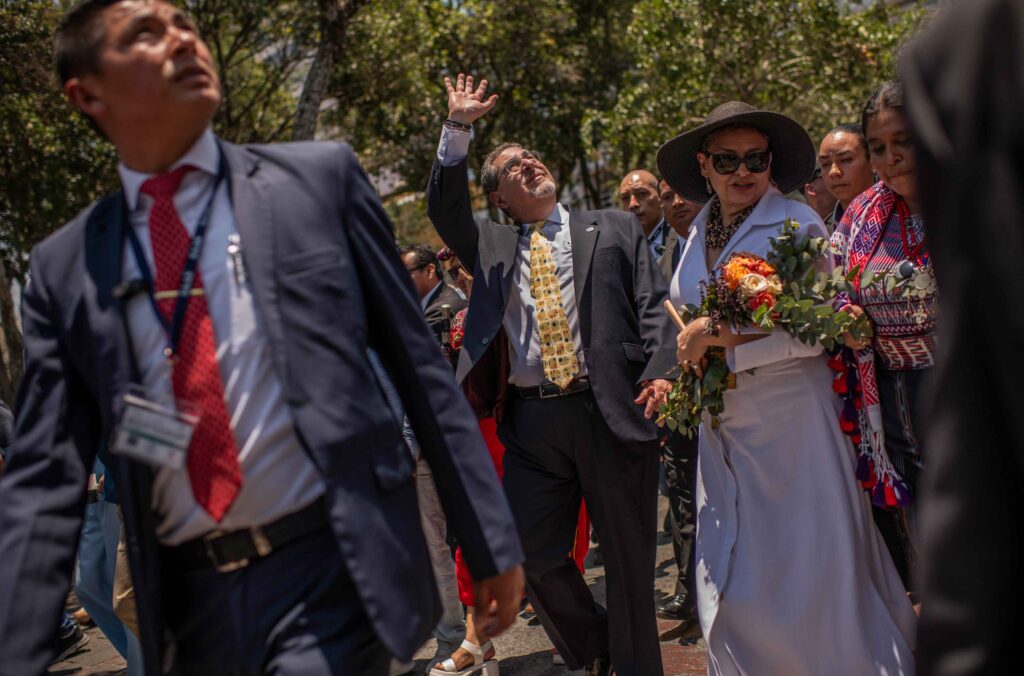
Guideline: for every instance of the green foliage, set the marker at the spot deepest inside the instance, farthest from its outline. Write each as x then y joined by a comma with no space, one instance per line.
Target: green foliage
815,60
51,163
594,85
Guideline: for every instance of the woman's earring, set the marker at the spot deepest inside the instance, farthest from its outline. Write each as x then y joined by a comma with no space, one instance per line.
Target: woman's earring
707,183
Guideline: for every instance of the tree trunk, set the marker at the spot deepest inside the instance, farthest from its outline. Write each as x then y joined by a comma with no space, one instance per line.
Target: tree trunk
11,346
334,18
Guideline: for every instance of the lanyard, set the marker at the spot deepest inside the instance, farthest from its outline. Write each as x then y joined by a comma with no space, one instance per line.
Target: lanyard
188,274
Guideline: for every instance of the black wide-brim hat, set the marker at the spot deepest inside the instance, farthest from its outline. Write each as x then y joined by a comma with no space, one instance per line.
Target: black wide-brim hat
793,154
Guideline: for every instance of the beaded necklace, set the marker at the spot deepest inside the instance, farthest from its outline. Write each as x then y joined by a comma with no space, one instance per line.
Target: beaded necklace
719,234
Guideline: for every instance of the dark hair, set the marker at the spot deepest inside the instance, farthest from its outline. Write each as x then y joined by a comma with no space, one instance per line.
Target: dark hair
76,45
489,173
705,142
422,256
889,95
851,128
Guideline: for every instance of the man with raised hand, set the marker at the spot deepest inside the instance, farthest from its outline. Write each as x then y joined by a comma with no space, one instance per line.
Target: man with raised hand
575,300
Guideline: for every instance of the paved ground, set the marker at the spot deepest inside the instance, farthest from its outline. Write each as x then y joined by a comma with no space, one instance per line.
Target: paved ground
523,650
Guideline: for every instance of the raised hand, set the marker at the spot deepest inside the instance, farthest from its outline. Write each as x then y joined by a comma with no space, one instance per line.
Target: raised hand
466,104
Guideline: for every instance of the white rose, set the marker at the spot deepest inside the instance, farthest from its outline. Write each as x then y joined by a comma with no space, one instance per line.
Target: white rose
752,284
774,285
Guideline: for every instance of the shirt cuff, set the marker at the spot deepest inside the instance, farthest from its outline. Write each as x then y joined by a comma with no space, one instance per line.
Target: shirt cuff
454,146
778,346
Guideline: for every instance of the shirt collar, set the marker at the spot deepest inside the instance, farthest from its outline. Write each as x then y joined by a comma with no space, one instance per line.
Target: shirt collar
559,216
658,233
429,298
204,155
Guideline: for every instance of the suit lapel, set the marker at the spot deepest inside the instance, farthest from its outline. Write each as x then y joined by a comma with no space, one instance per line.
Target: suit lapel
251,205
584,239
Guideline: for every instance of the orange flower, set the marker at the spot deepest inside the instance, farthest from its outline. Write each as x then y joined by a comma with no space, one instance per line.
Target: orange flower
740,265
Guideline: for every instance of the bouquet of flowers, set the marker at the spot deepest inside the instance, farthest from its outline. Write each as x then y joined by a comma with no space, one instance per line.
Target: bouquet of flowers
785,290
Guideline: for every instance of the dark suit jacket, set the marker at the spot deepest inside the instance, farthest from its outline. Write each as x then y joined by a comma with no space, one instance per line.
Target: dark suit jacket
964,87
445,295
669,258
626,334
329,284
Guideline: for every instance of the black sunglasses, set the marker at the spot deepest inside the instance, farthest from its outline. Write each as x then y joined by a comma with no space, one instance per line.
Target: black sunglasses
757,161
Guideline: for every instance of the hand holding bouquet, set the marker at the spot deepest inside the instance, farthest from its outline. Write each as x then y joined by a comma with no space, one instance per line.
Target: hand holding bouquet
786,290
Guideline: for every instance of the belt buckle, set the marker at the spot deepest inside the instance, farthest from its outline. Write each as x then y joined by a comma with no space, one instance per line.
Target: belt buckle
259,540
218,565
544,395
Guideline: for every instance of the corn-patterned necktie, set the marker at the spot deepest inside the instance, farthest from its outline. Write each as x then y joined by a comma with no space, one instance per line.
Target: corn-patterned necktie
556,348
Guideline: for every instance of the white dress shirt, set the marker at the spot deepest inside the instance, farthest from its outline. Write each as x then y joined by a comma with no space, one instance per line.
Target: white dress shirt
277,475
520,320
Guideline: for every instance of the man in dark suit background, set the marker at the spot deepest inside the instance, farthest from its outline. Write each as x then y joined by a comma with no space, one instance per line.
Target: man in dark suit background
290,541
575,299
428,280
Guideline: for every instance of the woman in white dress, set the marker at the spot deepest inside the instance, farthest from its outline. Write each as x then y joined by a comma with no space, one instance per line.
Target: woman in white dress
793,577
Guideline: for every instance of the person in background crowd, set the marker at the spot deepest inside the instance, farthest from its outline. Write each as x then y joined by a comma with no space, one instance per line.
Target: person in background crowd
679,213
638,194
587,363
792,576
429,282
818,197
882,233
95,566
679,452
964,84
845,166
287,540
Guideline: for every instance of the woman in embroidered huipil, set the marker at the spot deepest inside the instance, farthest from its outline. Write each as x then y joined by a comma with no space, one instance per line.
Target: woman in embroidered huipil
882,233
792,575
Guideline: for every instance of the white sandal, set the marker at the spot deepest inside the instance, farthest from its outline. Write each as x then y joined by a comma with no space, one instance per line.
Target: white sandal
480,665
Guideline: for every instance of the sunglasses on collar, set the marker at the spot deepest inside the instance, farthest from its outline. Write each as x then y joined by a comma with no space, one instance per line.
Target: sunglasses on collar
757,161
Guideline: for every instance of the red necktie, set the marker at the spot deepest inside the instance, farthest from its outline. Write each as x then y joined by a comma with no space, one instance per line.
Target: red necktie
212,455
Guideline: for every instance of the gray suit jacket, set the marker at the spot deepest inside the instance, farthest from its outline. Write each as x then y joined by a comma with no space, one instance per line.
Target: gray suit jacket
625,332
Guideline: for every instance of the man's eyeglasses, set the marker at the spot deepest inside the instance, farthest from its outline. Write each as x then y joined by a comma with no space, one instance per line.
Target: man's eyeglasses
757,161
418,267
514,166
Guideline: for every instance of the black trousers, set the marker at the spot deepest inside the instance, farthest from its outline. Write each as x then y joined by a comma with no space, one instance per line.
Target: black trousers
295,611
679,453
557,451
903,420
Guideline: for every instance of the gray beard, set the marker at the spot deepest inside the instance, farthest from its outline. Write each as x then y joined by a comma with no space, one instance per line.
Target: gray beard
546,189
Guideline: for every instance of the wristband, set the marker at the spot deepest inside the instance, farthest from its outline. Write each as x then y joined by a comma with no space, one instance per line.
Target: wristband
458,126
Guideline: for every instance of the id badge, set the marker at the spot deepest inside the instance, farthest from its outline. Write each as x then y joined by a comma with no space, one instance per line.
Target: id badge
154,433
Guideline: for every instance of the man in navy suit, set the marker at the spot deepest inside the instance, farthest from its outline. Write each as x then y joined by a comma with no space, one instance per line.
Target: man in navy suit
591,436
250,282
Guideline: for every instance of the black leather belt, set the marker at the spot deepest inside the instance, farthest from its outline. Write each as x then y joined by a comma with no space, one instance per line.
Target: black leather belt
225,552
550,390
